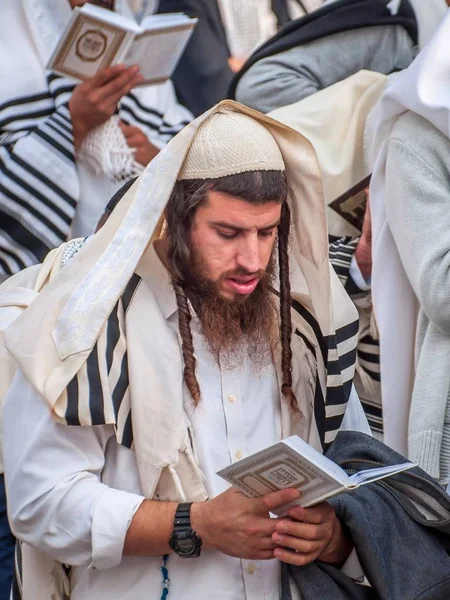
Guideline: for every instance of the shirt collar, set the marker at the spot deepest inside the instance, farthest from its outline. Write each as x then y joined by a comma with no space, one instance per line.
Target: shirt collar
157,278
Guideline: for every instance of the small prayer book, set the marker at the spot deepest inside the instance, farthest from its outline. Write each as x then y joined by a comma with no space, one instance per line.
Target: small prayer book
96,38
292,463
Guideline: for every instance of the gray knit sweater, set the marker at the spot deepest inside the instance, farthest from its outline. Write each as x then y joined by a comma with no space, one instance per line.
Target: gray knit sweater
297,73
418,213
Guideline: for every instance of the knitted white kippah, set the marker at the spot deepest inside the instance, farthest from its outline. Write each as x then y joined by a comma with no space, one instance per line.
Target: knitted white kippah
229,143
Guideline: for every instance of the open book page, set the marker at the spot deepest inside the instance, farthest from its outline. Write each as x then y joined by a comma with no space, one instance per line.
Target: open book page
157,51
371,475
307,452
167,19
110,17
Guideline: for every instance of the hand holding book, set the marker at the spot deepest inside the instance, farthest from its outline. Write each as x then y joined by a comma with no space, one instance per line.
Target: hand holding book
292,463
95,100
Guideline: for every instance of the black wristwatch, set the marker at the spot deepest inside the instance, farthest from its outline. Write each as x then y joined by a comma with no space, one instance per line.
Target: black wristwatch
184,541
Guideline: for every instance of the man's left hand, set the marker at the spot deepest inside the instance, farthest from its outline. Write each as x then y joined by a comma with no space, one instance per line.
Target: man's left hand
312,534
138,141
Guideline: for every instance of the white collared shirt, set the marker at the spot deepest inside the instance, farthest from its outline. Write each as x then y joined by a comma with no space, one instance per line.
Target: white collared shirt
73,491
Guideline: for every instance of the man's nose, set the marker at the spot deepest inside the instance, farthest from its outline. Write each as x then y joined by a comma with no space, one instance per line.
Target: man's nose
249,255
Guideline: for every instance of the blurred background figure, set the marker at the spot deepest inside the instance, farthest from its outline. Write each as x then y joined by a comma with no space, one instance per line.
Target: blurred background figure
228,32
410,193
328,46
65,148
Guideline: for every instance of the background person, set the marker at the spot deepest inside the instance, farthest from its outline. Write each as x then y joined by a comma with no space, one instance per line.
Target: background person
326,47
65,148
228,31
411,247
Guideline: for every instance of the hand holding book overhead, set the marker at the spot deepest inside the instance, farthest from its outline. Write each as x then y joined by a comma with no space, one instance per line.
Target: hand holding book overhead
96,38
292,463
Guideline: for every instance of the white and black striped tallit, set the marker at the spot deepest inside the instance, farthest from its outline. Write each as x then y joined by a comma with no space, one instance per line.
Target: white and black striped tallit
368,349
99,392
39,185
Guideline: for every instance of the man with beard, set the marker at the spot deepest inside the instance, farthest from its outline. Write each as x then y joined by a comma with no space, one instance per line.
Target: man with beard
164,358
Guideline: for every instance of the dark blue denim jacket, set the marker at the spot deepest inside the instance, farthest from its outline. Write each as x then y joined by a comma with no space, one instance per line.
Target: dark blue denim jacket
400,529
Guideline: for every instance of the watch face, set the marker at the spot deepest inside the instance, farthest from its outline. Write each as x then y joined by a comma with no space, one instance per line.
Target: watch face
185,546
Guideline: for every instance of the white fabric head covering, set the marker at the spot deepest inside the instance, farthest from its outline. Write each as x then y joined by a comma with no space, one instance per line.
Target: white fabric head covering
423,88
51,345
218,149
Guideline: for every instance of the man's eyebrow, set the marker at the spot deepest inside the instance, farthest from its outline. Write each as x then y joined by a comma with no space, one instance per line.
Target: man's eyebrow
226,225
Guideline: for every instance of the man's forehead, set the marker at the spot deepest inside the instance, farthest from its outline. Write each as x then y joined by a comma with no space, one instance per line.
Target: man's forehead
224,209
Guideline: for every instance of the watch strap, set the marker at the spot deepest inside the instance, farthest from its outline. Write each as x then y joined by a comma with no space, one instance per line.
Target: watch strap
182,520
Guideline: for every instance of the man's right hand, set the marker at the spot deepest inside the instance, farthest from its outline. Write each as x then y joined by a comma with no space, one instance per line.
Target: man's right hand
95,100
240,526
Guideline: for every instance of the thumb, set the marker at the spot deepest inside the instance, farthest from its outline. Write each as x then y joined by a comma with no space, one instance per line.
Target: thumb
275,500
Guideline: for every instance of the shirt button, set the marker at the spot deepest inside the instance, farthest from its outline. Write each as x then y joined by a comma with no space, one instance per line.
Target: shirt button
231,398
251,569
238,454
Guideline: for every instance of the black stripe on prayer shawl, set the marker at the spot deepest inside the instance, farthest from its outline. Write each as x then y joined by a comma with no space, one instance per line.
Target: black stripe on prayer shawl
52,142
96,400
35,195
98,390
130,290
71,417
30,208
307,316
31,115
112,338
336,396
335,367
127,435
127,110
45,180
3,265
120,389
132,98
35,212
319,404
374,416
23,100
23,236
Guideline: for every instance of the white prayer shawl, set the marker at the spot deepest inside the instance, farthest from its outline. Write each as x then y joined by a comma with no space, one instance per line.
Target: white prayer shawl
89,287
334,121
64,331
16,294
423,88
47,193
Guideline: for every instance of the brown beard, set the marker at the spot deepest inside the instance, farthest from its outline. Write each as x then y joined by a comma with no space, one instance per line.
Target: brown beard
234,328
